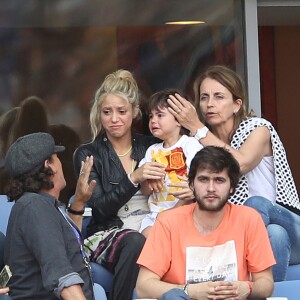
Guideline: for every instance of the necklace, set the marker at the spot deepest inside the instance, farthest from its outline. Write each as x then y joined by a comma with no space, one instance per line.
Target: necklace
122,155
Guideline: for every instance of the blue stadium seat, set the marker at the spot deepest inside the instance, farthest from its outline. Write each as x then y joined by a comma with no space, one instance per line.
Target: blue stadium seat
289,289
5,208
98,292
293,273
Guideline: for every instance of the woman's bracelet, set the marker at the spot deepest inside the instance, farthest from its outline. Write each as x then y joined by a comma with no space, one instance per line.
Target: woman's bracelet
134,184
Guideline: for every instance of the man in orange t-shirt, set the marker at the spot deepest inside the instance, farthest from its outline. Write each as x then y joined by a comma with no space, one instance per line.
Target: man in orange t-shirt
210,248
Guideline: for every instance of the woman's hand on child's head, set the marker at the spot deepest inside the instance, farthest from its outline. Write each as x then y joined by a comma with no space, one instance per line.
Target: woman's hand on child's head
184,112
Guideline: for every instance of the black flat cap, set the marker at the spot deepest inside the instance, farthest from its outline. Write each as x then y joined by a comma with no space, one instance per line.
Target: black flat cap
29,152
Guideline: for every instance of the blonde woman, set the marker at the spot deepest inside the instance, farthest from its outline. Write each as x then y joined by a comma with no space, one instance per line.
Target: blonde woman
118,206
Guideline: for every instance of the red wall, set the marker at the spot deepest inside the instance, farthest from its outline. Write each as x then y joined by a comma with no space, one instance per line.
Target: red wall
280,86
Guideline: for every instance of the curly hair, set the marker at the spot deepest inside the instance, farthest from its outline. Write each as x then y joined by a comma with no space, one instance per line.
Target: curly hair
32,182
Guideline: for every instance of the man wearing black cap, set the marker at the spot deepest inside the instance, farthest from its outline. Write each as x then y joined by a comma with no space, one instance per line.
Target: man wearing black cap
43,244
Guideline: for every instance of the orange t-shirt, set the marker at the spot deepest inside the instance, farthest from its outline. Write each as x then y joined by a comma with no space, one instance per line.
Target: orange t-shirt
164,252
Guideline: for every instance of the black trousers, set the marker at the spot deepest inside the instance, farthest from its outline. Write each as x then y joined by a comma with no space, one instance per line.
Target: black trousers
125,267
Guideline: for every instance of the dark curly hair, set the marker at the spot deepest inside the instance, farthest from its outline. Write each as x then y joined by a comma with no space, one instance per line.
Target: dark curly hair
32,182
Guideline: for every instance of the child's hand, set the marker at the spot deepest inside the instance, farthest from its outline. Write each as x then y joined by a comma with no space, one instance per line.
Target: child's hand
183,191
155,185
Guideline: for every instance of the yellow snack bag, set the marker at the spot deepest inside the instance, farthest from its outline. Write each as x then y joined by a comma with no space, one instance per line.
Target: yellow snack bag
160,156
174,179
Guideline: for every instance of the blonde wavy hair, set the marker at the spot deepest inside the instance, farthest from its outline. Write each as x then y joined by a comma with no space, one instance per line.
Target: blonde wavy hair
120,83
233,82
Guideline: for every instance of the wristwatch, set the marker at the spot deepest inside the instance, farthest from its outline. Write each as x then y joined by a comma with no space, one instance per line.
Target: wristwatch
201,133
74,212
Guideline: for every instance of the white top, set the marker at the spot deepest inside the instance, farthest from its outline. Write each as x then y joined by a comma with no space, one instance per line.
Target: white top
179,157
261,180
285,188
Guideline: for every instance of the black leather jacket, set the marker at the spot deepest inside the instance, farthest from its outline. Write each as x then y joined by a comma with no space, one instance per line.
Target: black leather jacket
113,188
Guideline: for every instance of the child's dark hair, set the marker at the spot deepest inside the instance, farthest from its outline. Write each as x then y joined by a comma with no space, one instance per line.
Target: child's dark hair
159,99
215,159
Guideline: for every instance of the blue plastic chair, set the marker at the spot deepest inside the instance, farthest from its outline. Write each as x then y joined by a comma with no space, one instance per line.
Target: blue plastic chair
289,289
5,208
293,273
98,292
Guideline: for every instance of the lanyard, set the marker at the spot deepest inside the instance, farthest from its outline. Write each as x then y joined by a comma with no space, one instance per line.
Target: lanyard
78,237
80,243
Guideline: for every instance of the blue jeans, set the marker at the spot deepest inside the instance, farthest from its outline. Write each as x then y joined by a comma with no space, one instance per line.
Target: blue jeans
283,227
175,294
